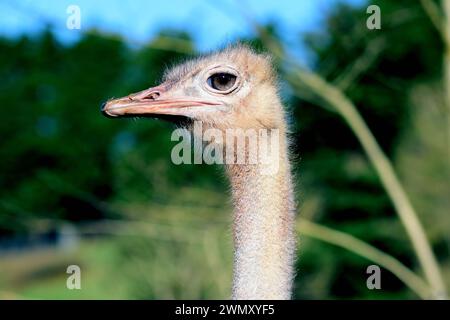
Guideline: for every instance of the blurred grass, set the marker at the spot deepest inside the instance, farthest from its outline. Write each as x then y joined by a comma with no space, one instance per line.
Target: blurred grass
40,274
162,270
177,251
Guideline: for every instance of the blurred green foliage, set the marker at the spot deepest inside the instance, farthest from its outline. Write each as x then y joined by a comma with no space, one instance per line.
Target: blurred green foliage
61,160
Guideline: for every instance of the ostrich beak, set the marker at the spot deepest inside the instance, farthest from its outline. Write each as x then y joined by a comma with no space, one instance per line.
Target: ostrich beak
153,102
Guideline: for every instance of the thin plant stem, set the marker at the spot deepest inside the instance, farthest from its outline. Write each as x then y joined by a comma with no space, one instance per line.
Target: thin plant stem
363,249
334,97
446,67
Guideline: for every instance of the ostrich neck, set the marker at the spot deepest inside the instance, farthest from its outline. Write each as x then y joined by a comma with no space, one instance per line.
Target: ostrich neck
264,242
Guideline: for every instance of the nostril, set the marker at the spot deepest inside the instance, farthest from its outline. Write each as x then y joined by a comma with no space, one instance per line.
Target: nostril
153,95
102,107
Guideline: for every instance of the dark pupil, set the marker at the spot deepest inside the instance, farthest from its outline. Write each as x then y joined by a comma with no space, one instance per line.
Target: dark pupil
222,81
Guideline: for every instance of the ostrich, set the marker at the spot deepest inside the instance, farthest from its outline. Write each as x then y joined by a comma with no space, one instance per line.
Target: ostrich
236,89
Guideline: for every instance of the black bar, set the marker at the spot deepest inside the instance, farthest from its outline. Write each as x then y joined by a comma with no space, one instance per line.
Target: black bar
224,309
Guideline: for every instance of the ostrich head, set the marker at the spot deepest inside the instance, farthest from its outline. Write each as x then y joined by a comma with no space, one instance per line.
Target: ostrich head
234,88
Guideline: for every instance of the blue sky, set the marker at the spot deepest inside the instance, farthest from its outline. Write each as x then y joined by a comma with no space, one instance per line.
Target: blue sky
212,23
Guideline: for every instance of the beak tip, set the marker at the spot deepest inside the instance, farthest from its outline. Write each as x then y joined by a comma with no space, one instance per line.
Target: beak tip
104,111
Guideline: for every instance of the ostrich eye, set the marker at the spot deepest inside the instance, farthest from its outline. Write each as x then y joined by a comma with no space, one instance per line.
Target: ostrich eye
221,81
